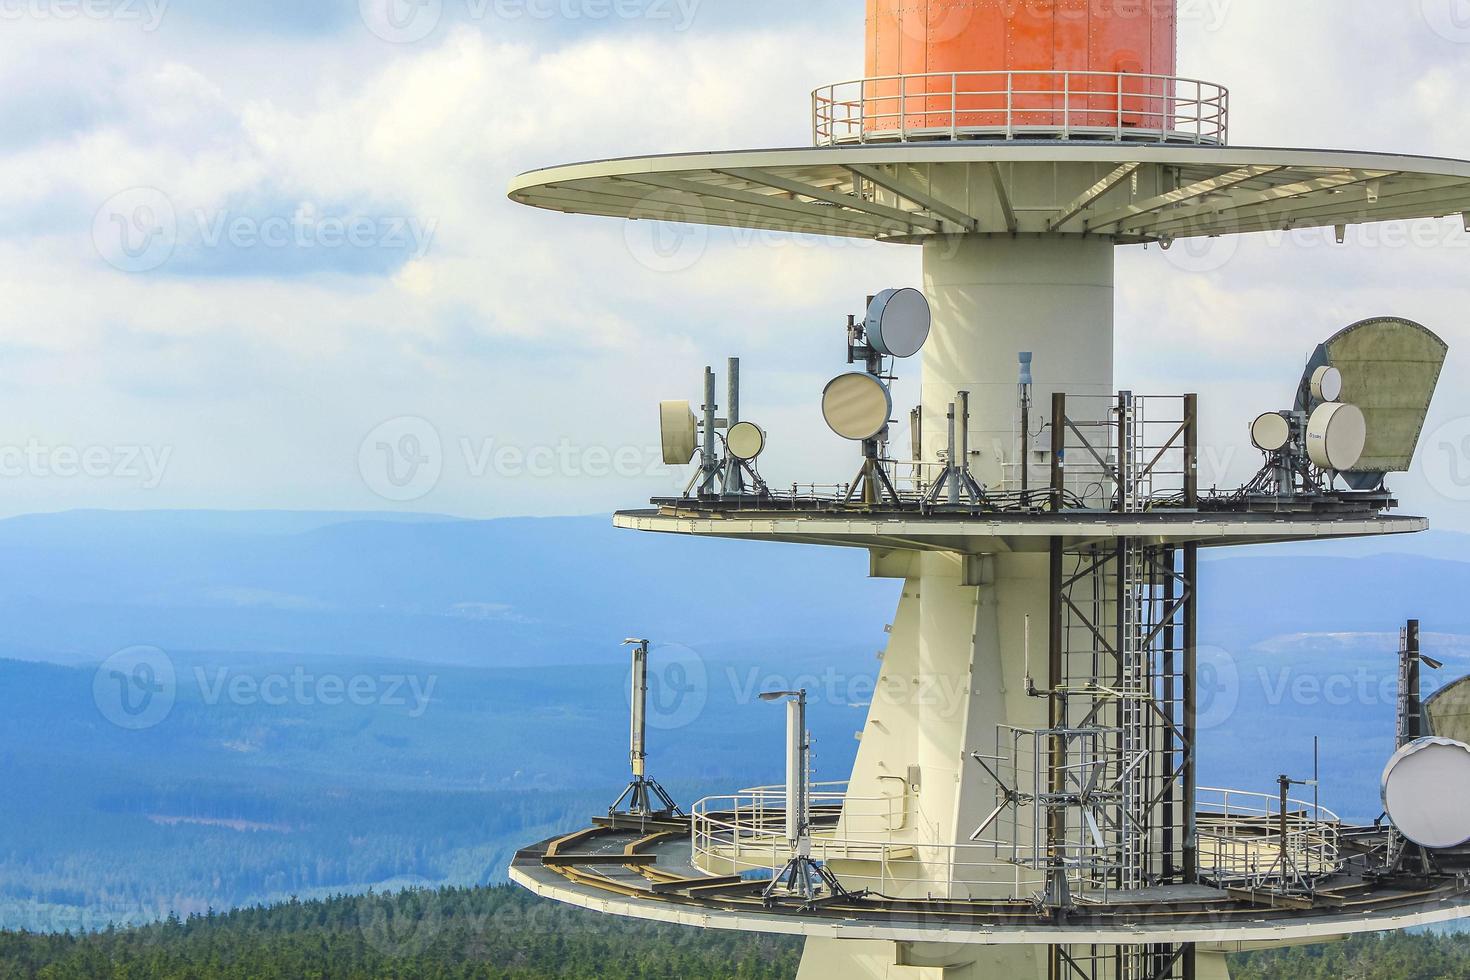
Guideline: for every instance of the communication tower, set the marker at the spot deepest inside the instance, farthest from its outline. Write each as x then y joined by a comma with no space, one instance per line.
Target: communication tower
1047,530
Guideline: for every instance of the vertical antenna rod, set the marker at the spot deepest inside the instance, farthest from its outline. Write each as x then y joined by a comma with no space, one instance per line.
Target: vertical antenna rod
646,799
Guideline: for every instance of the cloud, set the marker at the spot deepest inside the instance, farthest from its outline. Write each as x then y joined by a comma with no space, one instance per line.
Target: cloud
265,366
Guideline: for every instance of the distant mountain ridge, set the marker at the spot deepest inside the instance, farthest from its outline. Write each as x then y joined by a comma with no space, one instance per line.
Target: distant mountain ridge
75,587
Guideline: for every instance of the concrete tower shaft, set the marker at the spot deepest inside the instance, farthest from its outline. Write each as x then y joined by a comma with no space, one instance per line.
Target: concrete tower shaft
994,297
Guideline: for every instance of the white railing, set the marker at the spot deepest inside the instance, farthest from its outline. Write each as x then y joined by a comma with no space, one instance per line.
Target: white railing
1022,105
878,842
1241,839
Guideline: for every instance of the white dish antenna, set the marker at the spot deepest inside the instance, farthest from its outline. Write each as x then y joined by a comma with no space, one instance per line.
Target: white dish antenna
1271,432
898,322
680,431
1327,384
857,406
1426,792
1336,436
746,441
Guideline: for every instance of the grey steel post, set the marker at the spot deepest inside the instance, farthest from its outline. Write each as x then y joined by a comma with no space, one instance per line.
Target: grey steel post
734,477
710,464
638,741
953,468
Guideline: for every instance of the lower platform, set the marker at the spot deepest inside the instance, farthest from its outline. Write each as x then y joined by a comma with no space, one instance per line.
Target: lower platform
647,872
1015,533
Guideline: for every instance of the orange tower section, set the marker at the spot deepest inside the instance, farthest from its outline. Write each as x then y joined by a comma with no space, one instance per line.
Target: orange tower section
938,64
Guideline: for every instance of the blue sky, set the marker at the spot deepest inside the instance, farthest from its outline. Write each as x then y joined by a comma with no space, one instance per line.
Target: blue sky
267,247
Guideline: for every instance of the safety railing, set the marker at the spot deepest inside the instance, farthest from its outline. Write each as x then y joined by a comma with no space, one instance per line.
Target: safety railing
1069,105
875,840
1247,839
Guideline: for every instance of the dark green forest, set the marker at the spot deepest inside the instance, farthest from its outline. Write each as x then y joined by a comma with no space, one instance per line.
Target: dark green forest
506,933
423,935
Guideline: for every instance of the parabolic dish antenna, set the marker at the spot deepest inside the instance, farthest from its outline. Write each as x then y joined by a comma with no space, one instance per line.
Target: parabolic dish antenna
898,322
1426,792
1389,368
857,406
745,440
1449,711
1271,432
1327,384
1336,435
680,431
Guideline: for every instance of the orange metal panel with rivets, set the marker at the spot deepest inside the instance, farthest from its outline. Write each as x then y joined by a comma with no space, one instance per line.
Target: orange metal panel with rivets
916,37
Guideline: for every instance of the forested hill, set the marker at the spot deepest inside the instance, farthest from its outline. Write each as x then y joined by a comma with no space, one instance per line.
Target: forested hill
457,933
506,933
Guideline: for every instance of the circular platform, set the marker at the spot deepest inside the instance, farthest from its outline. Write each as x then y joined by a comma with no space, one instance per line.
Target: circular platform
648,874
912,192
1018,534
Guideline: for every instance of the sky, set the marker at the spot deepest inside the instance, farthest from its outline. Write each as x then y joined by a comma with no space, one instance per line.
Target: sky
259,255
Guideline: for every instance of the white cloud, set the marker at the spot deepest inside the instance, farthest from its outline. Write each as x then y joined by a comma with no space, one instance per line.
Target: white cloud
532,328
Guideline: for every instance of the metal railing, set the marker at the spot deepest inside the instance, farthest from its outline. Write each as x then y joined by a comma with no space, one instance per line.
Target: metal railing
1081,105
1241,840
878,842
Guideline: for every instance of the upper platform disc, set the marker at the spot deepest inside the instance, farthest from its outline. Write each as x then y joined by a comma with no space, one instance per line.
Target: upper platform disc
909,192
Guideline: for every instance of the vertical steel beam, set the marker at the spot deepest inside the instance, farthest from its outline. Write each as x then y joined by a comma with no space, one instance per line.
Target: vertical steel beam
1058,450
1191,450
1191,718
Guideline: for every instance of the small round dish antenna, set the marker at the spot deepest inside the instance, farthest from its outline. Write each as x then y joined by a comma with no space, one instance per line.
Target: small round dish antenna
680,431
746,441
898,322
1336,436
1271,432
857,406
1327,384
1426,792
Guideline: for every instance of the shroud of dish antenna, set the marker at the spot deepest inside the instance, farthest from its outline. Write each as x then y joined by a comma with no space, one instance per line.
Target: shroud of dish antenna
1052,826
